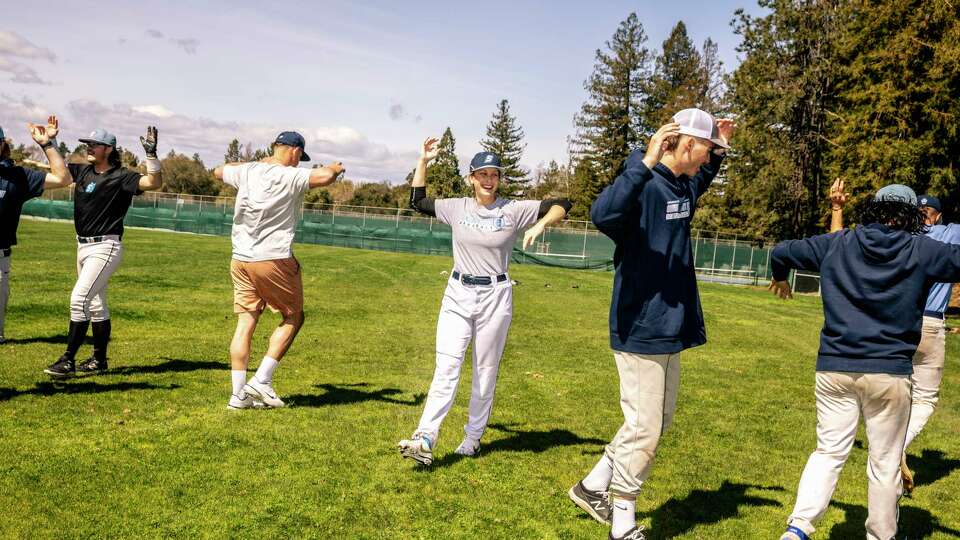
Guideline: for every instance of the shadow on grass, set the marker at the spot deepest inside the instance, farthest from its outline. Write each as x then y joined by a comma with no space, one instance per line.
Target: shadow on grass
914,523
51,388
60,339
344,394
169,365
704,507
930,466
523,441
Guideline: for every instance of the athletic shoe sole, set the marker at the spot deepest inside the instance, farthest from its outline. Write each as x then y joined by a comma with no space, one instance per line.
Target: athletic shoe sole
585,506
412,453
58,375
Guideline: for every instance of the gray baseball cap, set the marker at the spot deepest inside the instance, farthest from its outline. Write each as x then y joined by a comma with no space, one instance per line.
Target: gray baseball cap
896,193
100,136
699,123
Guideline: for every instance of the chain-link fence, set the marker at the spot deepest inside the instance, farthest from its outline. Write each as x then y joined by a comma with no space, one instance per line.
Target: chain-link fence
720,257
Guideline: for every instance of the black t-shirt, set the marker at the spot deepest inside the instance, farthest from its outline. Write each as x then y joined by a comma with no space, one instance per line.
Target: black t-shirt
101,200
17,186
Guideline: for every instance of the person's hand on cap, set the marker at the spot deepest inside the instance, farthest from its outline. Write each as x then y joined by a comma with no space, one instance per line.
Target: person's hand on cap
725,128
659,142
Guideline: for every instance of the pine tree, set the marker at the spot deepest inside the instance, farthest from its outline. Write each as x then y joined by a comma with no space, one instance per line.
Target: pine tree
679,81
505,138
611,124
233,152
443,175
585,187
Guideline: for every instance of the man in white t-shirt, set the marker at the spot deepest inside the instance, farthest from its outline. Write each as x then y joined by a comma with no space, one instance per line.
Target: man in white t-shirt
264,271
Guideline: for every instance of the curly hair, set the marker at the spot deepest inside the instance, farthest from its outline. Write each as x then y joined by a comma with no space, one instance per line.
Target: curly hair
894,214
115,159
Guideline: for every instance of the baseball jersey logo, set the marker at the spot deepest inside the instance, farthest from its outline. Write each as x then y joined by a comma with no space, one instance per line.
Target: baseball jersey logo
489,224
678,209
2,193
90,187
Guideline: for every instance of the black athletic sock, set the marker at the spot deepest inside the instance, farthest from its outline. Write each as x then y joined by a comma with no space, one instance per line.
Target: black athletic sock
75,337
101,337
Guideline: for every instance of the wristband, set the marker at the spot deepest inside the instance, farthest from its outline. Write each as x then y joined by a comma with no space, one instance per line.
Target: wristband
153,165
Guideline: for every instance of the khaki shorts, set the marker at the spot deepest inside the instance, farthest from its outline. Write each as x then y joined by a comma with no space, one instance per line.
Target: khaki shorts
277,284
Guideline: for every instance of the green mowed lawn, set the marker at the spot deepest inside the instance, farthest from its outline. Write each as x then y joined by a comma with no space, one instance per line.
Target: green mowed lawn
150,450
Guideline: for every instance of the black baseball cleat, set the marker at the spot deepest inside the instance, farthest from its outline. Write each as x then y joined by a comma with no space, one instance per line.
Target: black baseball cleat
64,367
595,503
92,365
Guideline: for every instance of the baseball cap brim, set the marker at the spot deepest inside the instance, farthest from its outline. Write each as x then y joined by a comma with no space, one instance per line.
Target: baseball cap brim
94,141
684,130
719,142
486,167
304,156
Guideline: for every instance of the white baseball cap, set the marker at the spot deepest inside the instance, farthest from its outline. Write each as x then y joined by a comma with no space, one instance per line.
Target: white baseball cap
699,123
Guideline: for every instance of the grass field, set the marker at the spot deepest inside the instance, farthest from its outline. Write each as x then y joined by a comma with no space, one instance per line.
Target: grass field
149,449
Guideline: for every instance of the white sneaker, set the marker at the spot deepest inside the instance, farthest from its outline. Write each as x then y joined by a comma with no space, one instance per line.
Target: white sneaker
262,392
246,402
468,447
418,448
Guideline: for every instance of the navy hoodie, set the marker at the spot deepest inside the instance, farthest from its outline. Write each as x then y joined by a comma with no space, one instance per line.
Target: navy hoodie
874,282
647,213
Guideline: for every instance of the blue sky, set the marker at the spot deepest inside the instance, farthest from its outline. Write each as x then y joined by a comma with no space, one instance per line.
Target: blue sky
364,82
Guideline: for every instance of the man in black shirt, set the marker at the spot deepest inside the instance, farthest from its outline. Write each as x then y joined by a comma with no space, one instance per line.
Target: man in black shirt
102,197
17,186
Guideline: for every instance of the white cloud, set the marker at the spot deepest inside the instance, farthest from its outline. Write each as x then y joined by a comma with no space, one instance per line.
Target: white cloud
189,45
363,158
13,45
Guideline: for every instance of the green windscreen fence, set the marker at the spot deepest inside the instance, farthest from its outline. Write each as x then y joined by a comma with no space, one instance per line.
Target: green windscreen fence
718,257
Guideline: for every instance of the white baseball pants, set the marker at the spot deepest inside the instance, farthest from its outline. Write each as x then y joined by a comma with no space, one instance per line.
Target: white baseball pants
96,262
478,313
4,289
884,400
928,364
649,384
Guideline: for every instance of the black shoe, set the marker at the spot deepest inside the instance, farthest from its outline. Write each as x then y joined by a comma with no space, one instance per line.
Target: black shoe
635,533
595,503
64,367
93,365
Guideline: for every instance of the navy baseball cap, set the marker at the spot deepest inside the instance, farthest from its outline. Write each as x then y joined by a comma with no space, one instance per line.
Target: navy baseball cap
929,200
292,138
485,160
100,136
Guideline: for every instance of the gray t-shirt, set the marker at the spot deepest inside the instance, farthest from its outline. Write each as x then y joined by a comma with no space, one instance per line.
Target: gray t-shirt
265,216
483,236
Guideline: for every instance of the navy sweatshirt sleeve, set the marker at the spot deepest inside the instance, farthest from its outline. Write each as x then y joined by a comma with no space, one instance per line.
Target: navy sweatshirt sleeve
707,173
620,198
941,261
806,254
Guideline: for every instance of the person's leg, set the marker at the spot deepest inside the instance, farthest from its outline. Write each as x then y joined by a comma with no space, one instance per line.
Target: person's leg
4,291
110,252
646,382
248,306
455,329
280,284
885,400
838,412
927,374
495,312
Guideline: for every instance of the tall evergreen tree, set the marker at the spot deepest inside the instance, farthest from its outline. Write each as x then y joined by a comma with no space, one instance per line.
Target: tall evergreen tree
586,185
443,175
679,80
233,154
505,138
610,123
781,93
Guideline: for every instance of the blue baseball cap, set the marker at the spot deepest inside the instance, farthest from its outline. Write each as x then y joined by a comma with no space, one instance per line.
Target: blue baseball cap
485,160
100,136
930,201
896,193
292,138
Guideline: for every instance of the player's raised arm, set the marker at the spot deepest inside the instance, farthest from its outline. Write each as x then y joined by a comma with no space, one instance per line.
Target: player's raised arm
59,176
418,187
324,176
838,199
154,177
